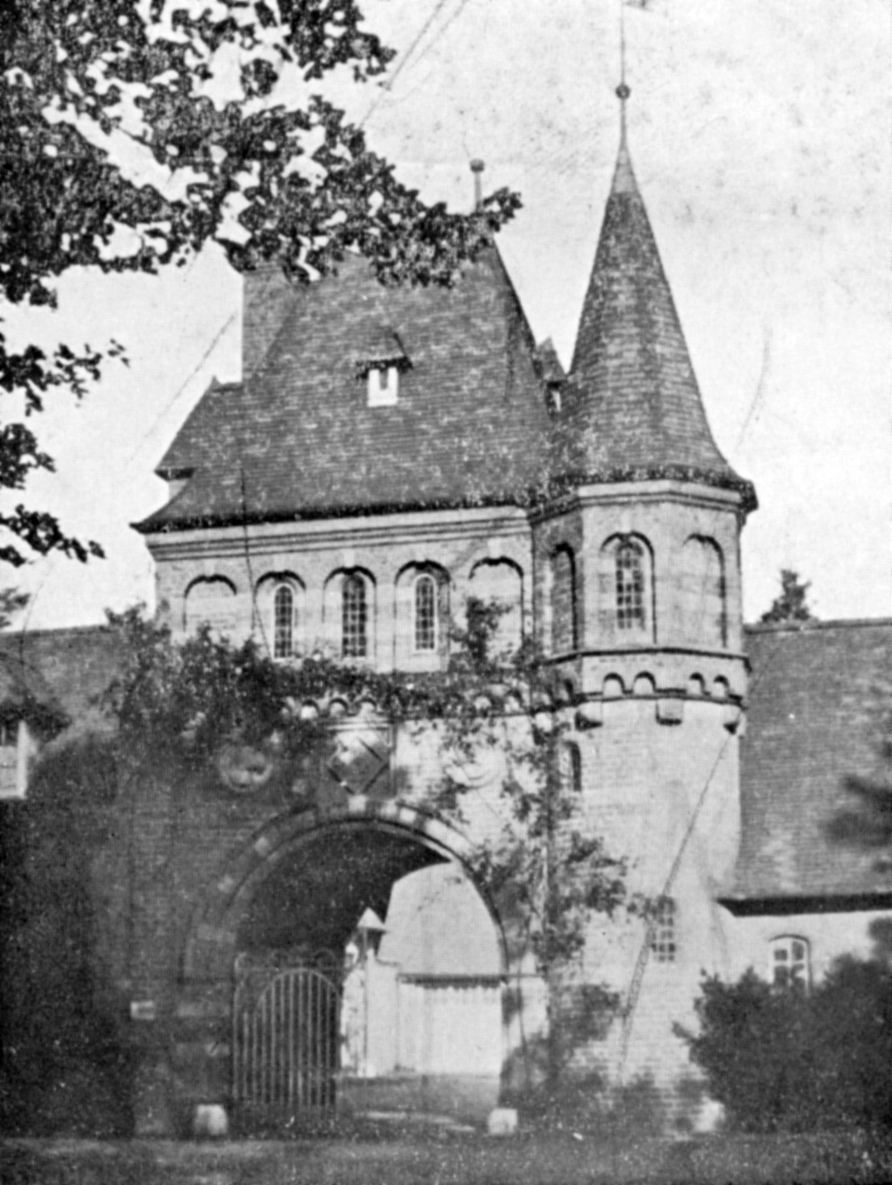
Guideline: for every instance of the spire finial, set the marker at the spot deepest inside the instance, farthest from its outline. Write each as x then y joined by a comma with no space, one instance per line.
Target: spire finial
477,168
622,91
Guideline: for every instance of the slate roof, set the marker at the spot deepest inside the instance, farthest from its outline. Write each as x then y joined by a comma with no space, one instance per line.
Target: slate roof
816,703
632,403
296,438
61,672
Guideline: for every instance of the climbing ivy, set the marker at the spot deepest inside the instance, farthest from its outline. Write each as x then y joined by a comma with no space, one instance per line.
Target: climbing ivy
187,699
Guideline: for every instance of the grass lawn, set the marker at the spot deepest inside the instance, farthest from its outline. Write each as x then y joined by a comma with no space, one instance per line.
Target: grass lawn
434,1158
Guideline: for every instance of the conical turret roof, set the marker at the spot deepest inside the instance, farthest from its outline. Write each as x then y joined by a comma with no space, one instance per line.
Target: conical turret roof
632,407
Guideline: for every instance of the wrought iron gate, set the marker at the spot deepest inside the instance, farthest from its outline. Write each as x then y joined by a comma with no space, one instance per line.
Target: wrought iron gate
285,1046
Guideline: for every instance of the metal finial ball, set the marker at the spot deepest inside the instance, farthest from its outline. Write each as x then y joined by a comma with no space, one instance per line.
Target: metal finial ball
477,166
623,92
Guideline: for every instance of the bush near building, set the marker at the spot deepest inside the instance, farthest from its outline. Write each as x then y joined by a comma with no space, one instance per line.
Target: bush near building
791,1060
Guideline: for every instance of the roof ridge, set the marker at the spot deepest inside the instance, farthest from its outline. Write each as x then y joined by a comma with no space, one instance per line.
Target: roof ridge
792,627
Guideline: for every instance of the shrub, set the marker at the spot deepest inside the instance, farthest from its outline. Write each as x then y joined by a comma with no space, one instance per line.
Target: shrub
782,1061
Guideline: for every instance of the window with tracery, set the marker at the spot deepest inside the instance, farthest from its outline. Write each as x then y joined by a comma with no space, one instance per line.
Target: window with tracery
630,611
425,615
354,617
663,942
283,622
790,963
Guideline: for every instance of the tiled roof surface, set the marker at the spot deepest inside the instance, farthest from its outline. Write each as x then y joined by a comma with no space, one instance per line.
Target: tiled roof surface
297,439
66,670
816,695
632,399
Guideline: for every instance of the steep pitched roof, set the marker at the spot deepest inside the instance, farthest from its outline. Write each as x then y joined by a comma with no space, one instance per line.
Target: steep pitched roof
814,723
296,438
632,404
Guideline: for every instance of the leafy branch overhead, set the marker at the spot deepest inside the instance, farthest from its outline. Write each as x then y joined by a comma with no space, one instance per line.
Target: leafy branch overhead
135,131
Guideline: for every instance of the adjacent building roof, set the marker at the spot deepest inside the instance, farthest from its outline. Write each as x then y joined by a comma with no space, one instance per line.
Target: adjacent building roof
57,675
632,405
297,439
818,715
819,704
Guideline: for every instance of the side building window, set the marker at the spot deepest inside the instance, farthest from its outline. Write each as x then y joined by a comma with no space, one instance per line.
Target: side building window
354,617
790,963
663,939
9,759
425,624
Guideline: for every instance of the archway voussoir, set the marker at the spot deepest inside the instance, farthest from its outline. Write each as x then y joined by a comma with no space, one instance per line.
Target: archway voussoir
226,885
262,845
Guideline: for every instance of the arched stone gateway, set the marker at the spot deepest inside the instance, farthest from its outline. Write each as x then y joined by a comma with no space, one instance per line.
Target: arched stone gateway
266,992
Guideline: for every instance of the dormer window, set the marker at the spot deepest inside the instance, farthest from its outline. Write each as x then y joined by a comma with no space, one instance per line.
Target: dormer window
381,359
383,385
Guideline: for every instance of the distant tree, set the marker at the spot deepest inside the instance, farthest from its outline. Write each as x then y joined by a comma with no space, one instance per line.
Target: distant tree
791,605
132,132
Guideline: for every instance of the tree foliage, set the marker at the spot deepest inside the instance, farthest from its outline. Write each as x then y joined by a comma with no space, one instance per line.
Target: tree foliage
135,131
791,604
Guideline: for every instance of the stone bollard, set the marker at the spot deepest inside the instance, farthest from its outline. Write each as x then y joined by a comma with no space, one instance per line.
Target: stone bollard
502,1121
210,1122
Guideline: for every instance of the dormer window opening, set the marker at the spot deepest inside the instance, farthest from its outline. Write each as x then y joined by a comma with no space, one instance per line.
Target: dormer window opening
383,385
629,586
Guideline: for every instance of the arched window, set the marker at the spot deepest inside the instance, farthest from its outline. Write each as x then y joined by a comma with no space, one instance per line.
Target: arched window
629,566
703,590
563,601
210,601
790,963
354,617
499,583
283,622
425,624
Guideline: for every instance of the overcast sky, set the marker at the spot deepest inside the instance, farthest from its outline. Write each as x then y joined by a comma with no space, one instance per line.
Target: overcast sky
760,136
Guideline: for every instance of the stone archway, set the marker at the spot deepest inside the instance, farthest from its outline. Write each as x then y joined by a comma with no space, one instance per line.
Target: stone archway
294,885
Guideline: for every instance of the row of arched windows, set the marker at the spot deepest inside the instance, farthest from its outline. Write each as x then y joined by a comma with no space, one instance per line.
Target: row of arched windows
354,617
626,602
626,594
349,609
